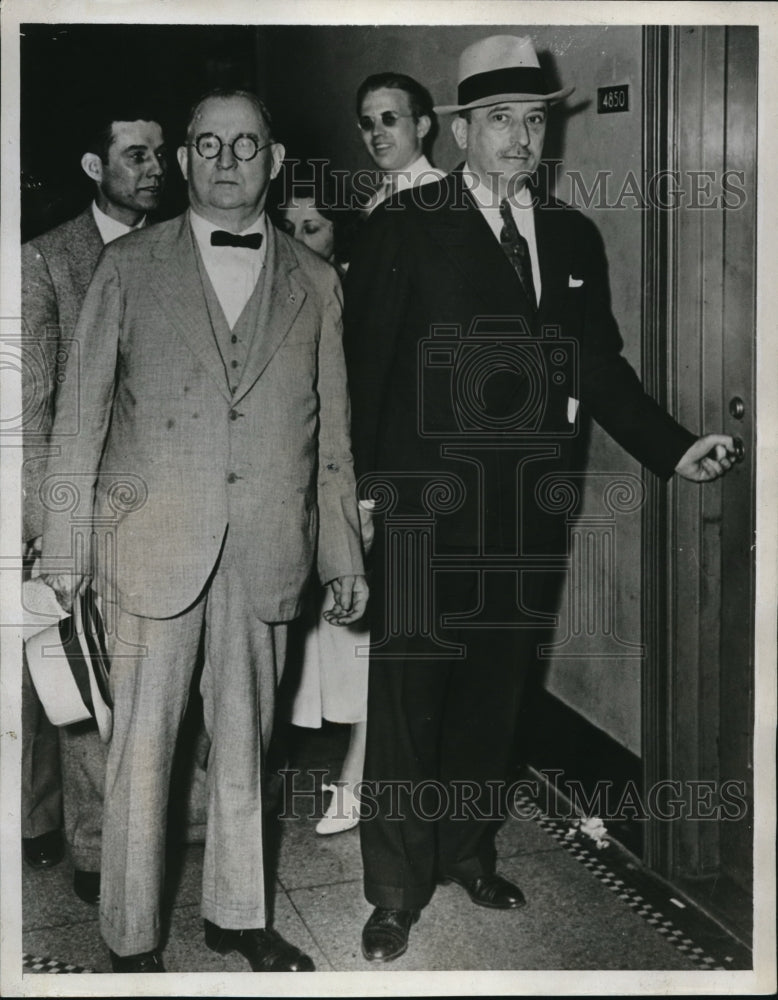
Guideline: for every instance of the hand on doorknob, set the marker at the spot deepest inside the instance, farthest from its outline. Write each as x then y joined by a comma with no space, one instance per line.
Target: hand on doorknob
710,457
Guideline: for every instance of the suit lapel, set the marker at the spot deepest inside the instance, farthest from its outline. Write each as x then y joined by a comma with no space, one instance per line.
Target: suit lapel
176,285
85,250
551,256
465,237
282,299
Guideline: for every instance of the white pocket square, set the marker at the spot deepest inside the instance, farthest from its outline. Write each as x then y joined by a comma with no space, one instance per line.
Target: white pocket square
574,282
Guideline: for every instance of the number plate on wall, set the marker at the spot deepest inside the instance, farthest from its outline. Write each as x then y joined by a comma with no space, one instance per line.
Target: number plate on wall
612,99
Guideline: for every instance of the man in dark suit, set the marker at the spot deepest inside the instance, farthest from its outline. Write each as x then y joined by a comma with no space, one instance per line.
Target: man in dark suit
475,323
216,341
124,157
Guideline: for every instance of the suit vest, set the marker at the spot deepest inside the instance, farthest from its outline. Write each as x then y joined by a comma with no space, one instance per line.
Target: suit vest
234,344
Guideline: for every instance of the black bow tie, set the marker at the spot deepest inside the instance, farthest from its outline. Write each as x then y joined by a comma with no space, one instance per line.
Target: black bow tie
221,238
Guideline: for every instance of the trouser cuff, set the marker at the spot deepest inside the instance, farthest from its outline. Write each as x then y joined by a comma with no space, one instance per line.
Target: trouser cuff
466,870
234,918
87,860
392,897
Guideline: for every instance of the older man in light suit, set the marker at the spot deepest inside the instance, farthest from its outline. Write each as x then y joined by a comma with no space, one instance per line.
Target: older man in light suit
124,157
216,386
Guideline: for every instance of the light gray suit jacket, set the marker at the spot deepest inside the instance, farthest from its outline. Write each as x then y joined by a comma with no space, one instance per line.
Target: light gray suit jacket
166,457
56,270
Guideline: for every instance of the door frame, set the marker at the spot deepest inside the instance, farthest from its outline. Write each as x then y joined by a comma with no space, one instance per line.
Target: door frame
656,557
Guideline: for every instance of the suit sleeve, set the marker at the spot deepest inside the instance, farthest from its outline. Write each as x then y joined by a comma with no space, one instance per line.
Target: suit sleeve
340,549
376,290
82,416
610,387
40,340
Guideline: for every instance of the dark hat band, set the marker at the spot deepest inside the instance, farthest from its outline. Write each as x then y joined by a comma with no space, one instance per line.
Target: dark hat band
514,80
94,637
76,660
95,641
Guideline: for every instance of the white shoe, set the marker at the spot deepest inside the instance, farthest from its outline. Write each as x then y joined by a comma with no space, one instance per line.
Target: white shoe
342,813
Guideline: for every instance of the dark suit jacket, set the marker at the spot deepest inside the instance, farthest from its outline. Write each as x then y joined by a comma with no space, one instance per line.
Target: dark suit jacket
56,270
450,372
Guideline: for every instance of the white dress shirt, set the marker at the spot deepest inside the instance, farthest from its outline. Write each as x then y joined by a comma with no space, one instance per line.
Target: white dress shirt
488,201
417,173
234,271
109,228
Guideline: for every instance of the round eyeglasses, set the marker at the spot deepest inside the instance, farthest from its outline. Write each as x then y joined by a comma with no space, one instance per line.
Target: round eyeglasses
244,147
388,119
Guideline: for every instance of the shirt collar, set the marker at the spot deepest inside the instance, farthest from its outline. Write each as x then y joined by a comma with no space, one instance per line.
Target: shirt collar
202,228
408,176
487,198
110,228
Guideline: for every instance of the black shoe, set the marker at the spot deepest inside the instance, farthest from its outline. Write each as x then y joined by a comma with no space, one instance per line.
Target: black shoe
86,885
45,851
146,961
264,948
492,891
385,935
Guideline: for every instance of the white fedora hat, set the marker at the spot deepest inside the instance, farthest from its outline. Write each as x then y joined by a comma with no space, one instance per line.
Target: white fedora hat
69,668
497,69
41,608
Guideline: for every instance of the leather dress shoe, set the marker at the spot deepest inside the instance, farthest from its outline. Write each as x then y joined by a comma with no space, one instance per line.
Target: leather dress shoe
146,961
385,935
264,948
86,885
493,891
45,851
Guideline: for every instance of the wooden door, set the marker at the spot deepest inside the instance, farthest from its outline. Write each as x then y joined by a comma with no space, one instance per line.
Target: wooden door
700,336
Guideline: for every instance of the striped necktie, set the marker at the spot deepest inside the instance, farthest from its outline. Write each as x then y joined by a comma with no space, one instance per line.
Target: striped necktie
517,251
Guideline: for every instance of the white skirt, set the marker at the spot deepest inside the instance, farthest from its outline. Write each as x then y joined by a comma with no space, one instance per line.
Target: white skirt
333,676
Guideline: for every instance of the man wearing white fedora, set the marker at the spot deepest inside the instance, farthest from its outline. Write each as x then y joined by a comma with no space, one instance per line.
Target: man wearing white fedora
476,320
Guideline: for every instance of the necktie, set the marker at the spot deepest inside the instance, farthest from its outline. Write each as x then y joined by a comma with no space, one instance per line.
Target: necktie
517,251
221,238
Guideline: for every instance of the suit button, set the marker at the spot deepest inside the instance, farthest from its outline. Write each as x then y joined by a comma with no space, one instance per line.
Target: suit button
234,364
233,339
232,478
234,414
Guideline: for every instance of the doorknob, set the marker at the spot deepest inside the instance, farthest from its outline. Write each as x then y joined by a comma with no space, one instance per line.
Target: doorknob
737,407
740,449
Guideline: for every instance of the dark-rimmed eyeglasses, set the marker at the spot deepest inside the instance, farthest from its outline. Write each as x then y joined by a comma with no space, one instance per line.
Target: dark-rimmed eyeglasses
244,147
388,119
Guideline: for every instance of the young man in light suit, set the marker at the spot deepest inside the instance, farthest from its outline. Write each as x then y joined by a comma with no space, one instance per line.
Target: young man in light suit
125,159
218,339
494,321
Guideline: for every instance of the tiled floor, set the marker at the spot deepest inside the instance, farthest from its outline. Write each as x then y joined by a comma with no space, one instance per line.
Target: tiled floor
574,919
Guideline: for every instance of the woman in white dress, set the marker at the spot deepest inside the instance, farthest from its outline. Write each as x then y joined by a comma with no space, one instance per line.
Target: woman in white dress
333,679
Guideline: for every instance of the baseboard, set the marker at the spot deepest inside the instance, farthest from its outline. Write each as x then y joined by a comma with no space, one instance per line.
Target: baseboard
584,765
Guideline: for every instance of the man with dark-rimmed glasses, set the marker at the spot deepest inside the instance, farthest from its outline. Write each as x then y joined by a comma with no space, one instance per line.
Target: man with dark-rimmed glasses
217,338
